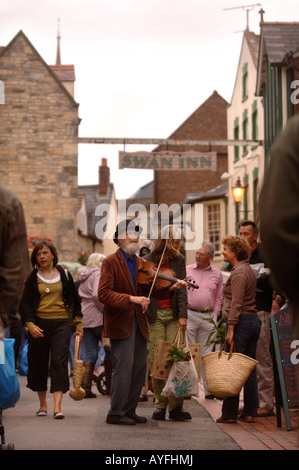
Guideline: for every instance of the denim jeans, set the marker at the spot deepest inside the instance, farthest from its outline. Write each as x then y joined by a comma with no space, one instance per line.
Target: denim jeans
246,334
91,340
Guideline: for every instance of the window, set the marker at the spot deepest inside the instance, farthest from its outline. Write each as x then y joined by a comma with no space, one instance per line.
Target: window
213,226
254,121
245,82
236,137
245,129
255,175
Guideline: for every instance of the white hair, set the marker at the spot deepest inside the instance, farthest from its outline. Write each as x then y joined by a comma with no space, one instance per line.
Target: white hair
210,247
95,260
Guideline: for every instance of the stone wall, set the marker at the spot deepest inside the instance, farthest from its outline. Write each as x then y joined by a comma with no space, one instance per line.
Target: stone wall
38,145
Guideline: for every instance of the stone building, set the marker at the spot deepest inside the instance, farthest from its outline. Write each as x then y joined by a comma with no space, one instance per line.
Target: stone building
39,142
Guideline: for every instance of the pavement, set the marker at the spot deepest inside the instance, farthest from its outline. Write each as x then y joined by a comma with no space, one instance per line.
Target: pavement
264,434
84,428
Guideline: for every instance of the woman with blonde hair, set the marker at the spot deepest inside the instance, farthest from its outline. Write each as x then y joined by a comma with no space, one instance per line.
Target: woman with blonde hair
166,315
92,311
243,324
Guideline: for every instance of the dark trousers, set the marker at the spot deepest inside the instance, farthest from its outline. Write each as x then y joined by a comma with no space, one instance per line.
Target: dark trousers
129,360
246,334
51,350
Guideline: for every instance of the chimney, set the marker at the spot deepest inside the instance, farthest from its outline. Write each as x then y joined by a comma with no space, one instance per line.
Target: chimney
104,177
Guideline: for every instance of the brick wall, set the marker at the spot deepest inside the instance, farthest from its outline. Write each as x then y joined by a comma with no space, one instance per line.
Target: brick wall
38,145
208,122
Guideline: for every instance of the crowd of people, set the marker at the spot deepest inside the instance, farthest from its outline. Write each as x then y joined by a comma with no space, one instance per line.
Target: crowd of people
110,302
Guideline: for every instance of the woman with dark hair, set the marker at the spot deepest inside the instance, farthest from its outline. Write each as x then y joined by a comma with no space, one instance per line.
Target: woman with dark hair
243,324
49,305
166,316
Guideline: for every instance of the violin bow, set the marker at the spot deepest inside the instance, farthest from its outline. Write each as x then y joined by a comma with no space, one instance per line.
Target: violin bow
155,277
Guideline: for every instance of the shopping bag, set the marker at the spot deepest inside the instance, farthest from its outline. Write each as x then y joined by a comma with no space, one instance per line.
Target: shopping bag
23,364
227,372
182,380
160,368
195,353
9,384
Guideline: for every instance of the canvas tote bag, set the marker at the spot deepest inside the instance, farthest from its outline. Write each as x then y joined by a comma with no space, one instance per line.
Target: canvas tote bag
160,368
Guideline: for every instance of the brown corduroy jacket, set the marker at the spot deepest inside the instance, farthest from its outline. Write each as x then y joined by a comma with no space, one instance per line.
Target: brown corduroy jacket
115,289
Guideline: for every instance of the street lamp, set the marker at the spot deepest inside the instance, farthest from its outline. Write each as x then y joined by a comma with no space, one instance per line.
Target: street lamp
238,191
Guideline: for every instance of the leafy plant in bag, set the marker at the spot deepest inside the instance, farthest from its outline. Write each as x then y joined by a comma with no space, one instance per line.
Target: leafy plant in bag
177,355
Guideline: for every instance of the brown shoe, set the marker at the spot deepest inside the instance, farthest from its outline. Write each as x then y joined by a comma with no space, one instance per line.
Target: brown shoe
263,412
247,419
226,420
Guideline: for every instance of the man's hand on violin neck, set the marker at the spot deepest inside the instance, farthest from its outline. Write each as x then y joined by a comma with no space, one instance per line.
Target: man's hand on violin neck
142,301
180,284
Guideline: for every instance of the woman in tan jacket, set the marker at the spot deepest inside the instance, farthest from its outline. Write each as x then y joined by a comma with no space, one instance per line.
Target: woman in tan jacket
243,324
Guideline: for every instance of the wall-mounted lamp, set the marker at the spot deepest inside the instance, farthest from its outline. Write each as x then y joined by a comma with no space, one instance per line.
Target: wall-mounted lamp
238,191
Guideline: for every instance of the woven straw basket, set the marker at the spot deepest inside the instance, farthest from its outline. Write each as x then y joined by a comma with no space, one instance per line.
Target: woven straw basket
226,373
77,392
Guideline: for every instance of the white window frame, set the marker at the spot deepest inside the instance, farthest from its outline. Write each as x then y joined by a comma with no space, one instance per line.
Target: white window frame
214,226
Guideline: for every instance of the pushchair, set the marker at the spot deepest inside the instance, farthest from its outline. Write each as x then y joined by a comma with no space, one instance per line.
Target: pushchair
103,380
4,446
103,385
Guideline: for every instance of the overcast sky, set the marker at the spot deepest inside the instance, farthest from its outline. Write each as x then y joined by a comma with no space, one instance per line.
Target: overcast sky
142,66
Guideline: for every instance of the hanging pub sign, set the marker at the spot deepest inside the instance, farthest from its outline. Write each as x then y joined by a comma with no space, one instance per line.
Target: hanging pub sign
168,160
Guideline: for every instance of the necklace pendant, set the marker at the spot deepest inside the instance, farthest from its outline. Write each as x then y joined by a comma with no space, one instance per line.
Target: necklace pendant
47,290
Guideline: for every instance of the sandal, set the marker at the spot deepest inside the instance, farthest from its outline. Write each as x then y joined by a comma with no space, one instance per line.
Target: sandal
41,413
58,415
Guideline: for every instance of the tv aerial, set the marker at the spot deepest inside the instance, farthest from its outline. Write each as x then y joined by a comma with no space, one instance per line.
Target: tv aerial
246,8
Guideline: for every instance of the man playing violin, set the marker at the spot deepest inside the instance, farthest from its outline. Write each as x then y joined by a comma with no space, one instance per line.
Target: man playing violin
126,323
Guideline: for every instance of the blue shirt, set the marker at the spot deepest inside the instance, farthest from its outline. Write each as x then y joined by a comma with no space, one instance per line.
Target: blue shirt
131,264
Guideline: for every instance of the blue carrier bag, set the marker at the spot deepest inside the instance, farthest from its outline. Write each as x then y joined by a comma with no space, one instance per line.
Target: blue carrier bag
9,384
23,364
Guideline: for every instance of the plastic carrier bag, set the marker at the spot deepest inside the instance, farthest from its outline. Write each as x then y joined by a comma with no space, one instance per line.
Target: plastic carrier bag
9,384
23,364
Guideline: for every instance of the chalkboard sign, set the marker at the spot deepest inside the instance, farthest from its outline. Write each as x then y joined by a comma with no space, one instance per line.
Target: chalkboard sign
286,349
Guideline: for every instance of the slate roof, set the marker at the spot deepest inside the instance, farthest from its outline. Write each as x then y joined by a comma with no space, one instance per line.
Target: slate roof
253,44
279,39
144,192
215,193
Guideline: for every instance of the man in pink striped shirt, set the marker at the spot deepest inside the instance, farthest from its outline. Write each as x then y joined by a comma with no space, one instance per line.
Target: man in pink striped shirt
208,296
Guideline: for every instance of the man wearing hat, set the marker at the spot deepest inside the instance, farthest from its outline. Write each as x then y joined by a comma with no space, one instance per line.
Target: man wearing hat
126,323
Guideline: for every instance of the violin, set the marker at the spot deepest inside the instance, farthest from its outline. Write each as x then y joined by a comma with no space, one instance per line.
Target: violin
147,271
